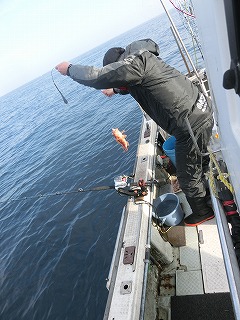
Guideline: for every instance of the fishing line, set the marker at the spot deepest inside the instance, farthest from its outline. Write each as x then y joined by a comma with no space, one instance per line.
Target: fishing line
46,195
64,99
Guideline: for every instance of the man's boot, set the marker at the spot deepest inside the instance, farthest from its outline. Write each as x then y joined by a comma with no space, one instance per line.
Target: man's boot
200,212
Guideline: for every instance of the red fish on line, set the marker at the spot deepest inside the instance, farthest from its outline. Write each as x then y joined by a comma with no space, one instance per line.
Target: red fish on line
120,138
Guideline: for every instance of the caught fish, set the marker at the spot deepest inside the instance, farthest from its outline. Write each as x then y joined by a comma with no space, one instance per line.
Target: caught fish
120,138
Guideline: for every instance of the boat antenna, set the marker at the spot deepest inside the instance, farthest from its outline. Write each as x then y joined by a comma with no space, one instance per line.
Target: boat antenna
64,99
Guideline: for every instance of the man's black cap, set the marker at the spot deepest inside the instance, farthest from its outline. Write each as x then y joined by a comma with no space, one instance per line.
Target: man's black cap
112,55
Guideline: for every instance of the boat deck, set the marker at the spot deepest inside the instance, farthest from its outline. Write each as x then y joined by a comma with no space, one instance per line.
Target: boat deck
197,268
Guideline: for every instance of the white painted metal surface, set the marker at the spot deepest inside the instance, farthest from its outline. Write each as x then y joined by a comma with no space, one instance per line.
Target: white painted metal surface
203,262
189,255
189,281
214,273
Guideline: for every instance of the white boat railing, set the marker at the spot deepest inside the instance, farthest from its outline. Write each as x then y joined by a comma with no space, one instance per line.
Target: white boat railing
230,260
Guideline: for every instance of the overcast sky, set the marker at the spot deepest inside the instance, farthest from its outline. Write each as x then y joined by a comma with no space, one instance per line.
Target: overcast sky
37,35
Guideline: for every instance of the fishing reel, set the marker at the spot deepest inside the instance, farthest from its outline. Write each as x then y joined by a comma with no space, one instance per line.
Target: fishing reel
125,188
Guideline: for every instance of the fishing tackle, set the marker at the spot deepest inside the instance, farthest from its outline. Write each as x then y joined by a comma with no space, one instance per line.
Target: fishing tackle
121,185
64,99
124,188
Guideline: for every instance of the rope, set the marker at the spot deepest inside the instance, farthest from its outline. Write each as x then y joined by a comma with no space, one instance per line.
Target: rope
212,180
184,12
221,176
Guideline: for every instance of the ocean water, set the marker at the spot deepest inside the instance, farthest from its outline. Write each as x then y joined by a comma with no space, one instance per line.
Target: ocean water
55,251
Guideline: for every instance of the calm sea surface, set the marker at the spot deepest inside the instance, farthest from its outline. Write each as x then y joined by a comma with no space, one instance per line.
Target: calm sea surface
55,252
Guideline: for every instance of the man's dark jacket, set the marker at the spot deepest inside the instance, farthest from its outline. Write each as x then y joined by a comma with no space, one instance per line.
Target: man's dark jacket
165,94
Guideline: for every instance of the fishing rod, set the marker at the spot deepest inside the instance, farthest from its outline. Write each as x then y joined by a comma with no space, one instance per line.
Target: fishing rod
121,185
59,193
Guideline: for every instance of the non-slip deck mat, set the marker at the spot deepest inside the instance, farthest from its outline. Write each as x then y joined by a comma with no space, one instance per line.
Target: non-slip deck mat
217,306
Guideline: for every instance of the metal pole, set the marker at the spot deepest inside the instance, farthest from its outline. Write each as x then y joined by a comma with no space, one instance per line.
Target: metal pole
180,50
146,266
